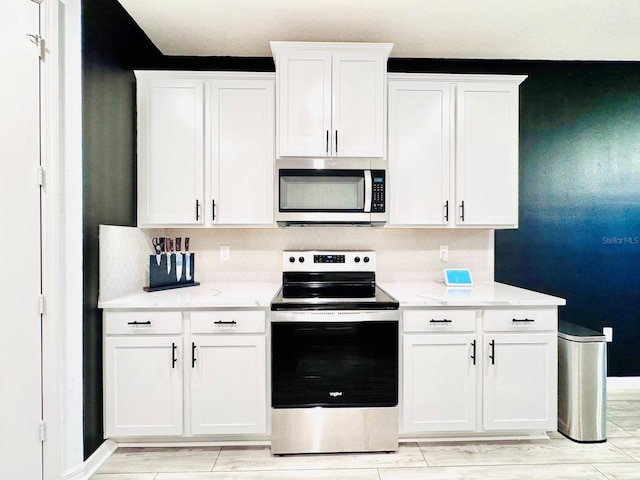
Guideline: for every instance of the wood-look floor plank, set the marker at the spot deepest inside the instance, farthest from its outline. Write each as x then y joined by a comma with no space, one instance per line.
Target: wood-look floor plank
620,471
139,460
495,472
352,474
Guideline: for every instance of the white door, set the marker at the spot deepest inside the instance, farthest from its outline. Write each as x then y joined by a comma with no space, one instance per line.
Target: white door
143,386
520,379
419,149
228,384
439,383
487,154
170,152
357,114
20,342
242,137
304,88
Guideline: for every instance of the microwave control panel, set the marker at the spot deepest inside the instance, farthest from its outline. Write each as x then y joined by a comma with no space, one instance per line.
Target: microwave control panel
377,200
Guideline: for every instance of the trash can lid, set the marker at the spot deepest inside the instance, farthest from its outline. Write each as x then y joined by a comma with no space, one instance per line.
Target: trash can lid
578,333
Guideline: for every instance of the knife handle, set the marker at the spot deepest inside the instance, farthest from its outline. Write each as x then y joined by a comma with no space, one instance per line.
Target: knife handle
178,244
162,244
186,243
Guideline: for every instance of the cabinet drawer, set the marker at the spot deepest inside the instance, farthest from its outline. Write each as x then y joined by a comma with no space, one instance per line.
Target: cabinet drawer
228,322
524,319
439,320
142,323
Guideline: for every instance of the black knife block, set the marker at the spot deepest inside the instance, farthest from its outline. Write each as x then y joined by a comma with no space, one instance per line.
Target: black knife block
159,279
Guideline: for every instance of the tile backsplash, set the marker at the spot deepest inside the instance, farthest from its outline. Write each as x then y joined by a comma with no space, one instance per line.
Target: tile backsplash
404,255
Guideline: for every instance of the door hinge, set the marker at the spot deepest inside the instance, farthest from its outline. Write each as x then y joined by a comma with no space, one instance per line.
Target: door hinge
41,304
40,176
39,42
42,431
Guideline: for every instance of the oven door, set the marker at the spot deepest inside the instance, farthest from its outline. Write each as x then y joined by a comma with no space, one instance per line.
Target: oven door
329,363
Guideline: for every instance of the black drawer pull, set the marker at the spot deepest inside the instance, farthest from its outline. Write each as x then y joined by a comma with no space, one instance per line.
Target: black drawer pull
523,320
444,320
221,322
148,322
193,354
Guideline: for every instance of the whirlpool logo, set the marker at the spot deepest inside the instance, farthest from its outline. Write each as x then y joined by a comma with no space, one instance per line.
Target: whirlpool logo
335,394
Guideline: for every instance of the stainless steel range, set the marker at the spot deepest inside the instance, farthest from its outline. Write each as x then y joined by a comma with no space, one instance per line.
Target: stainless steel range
334,356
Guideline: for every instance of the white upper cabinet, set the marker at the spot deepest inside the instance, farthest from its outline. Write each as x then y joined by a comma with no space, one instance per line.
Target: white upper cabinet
330,99
453,150
419,152
205,148
170,151
242,152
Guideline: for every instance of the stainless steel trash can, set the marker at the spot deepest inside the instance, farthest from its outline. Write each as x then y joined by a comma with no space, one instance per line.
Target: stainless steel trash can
582,383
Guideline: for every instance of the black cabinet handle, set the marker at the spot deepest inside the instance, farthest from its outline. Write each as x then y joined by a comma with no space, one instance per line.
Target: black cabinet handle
221,322
493,352
446,211
336,141
326,148
197,210
462,211
193,354
444,320
213,209
473,355
174,359
523,320
148,322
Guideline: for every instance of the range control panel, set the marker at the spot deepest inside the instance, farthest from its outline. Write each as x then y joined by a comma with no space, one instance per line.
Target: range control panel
325,261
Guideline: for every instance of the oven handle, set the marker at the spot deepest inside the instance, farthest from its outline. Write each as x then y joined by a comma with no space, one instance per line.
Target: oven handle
368,191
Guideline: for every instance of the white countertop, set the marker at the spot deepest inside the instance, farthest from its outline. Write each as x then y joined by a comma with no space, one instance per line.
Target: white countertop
492,294
410,294
206,295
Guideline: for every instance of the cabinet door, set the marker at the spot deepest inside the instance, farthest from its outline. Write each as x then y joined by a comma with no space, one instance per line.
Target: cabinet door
228,384
487,155
170,152
242,137
439,383
520,381
304,96
419,114
142,386
358,95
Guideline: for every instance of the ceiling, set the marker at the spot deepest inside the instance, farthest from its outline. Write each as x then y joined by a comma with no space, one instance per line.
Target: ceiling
475,29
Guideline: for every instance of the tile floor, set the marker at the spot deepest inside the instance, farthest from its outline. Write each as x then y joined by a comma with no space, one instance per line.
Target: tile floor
555,459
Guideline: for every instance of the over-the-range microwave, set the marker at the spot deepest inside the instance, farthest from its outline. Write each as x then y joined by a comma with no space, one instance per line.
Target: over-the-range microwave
331,192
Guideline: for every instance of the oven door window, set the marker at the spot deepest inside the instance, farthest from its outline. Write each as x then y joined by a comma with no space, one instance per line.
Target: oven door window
334,364
322,191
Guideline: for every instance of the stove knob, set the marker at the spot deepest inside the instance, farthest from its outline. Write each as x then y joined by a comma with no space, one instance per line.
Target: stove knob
357,259
366,259
292,259
301,259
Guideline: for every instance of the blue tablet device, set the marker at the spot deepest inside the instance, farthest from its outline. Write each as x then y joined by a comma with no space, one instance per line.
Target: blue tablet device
457,277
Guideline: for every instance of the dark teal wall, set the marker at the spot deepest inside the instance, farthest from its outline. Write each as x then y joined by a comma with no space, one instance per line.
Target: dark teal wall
579,234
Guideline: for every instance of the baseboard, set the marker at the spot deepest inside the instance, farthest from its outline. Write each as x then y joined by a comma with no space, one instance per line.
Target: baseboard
91,464
623,383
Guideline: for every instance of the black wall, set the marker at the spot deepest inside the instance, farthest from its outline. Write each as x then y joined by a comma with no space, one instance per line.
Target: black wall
110,44
579,179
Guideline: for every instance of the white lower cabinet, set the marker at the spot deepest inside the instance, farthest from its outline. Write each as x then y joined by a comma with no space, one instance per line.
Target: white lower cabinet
143,375
208,369
228,386
479,372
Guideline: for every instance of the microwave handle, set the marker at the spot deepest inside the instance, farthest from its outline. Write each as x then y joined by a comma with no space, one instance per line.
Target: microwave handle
368,191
